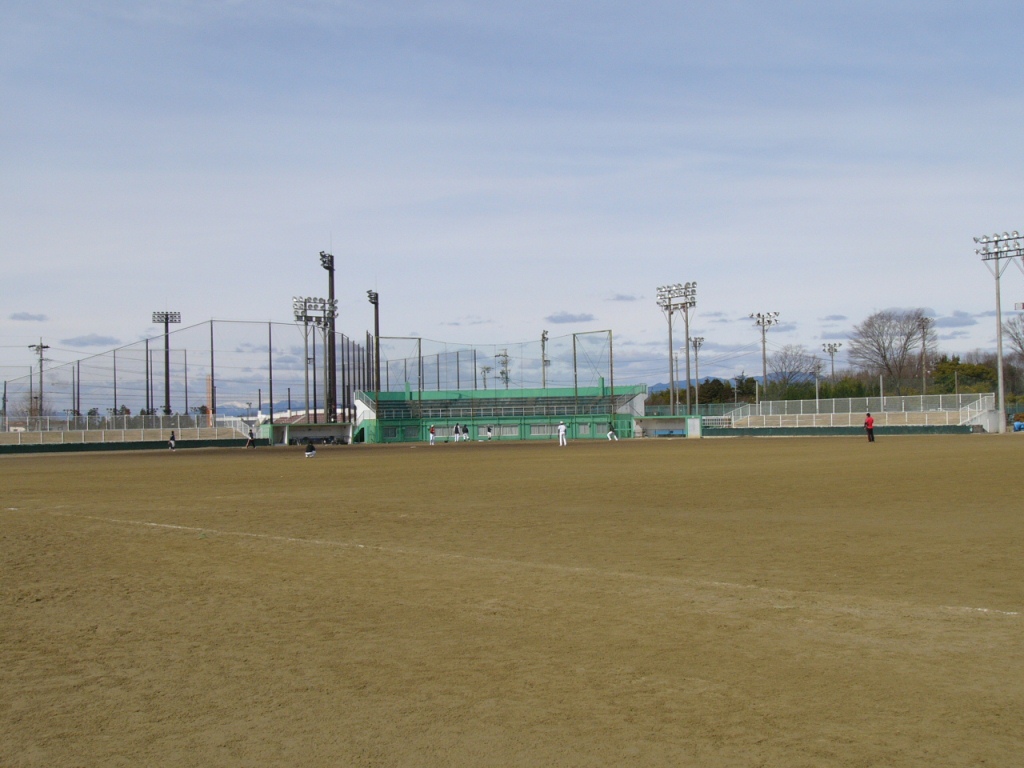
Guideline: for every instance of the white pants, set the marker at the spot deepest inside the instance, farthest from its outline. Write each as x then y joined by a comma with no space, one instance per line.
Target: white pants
561,438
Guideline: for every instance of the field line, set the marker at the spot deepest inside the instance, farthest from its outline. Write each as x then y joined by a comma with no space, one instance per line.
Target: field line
779,593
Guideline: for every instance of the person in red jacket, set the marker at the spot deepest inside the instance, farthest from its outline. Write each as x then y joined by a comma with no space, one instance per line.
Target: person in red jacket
869,427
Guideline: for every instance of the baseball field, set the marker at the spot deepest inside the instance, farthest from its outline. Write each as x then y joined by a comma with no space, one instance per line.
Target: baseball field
720,602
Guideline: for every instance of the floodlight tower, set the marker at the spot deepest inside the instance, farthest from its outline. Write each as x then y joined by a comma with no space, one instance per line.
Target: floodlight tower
331,385
831,350
764,320
670,298
305,309
697,342
995,248
167,318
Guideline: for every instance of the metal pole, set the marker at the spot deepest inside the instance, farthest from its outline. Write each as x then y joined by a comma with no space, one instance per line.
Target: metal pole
305,344
671,368
314,377
698,342
326,328
213,383
376,355
998,352
575,380
148,388
764,355
270,370
167,366
544,360
686,322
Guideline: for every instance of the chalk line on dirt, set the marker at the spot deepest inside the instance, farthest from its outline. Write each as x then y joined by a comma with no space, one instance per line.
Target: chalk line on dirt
482,559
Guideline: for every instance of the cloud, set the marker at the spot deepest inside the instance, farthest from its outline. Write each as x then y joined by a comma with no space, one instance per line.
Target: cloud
468,321
91,340
959,319
624,297
833,319
568,317
835,335
28,317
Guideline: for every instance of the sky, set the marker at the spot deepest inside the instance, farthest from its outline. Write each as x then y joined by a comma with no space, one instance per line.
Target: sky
494,170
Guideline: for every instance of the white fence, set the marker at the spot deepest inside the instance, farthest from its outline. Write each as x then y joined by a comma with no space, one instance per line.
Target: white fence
916,410
57,437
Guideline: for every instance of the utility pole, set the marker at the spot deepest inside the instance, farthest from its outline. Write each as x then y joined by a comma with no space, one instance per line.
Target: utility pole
697,342
925,326
38,348
503,372
544,359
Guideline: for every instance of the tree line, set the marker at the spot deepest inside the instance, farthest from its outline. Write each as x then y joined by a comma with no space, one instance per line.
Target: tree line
894,352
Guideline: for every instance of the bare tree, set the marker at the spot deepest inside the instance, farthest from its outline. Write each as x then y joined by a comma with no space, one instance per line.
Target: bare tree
890,342
1013,330
789,365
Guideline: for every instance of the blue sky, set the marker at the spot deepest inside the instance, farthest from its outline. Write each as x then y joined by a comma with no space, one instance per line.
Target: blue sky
494,170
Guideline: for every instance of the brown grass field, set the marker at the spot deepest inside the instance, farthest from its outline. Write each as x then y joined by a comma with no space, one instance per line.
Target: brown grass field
746,602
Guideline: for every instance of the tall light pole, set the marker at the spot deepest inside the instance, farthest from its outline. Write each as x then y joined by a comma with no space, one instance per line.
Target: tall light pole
995,248
831,349
764,320
374,298
670,298
697,342
305,310
331,397
167,318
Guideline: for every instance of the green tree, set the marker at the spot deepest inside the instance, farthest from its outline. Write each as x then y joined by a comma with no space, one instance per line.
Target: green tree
952,375
715,391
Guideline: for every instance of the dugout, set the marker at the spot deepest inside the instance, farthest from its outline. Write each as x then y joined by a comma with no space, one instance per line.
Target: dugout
511,414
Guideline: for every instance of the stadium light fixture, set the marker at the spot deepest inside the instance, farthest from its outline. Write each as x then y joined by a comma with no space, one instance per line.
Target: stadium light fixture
994,249
831,350
167,318
677,296
319,312
764,320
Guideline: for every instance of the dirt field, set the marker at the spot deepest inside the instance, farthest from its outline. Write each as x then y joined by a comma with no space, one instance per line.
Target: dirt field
749,602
